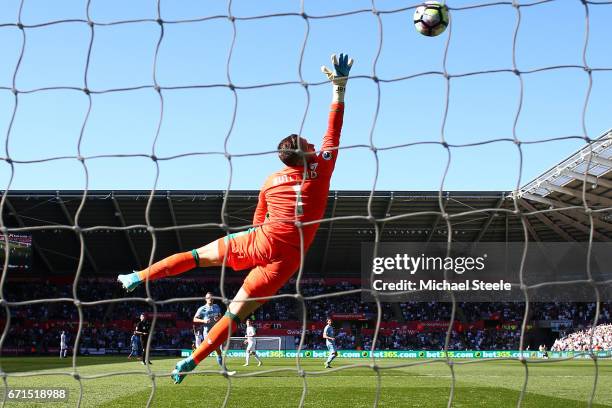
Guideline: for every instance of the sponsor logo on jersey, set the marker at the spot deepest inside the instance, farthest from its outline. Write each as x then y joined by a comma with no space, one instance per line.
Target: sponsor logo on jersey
327,155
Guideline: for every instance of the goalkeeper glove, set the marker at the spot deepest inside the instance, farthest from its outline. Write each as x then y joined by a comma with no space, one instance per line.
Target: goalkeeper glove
342,66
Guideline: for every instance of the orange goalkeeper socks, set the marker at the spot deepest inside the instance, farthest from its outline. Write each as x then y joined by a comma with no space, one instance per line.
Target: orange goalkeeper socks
216,337
172,265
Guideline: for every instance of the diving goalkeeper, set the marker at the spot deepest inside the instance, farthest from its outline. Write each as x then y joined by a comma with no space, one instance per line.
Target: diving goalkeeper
271,249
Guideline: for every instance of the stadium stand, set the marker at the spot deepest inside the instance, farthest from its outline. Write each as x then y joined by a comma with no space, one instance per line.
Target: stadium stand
116,239
479,326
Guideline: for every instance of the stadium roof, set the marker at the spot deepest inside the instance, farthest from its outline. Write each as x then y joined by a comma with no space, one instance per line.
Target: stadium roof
561,187
116,236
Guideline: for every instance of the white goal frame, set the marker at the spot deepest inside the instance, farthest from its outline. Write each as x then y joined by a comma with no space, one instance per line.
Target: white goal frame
241,346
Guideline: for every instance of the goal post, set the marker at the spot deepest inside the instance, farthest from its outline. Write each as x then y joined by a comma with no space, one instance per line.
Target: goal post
262,343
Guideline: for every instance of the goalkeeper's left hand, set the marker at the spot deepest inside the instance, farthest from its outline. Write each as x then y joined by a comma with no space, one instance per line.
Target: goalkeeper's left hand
342,67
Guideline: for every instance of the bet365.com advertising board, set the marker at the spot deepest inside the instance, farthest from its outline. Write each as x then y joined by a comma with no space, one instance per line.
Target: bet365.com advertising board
416,354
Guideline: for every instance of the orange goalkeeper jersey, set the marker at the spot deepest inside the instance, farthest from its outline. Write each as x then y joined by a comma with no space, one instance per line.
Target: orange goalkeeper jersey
283,199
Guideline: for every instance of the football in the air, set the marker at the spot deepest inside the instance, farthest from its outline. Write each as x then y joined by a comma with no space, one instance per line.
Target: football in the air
431,18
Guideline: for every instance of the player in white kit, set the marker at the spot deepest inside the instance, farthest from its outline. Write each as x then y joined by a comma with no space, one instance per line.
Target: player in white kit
251,343
63,345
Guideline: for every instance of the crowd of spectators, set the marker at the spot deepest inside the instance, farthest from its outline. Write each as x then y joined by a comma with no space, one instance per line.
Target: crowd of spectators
99,331
471,339
593,338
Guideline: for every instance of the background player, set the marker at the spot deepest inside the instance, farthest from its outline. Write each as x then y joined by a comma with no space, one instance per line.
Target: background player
330,342
135,345
63,344
205,317
543,350
251,343
142,330
272,249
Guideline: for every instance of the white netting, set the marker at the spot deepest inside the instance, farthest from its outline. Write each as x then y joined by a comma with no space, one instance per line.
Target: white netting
376,222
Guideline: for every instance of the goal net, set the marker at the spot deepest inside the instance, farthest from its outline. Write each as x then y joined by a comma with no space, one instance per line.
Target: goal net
112,96
261,343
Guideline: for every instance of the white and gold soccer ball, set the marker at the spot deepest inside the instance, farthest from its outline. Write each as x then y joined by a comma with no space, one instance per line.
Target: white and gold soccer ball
431,18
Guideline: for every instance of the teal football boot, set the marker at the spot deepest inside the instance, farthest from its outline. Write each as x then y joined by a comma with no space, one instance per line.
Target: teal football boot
130,281
183,366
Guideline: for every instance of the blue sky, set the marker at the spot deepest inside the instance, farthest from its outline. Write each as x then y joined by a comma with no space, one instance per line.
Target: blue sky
482,107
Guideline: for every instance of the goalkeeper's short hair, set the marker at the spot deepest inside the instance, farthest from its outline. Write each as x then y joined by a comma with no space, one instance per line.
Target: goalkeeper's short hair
287,151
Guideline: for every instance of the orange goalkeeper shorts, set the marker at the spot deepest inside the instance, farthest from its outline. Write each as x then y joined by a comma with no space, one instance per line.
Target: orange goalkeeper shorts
272,262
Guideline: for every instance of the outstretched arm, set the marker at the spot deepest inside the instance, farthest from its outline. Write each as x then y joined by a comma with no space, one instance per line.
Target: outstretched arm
338,78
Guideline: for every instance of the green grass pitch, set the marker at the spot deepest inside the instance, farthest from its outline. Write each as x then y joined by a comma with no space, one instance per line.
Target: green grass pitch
478,384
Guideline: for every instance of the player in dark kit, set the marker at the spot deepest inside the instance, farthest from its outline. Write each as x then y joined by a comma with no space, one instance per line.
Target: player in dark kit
142,329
